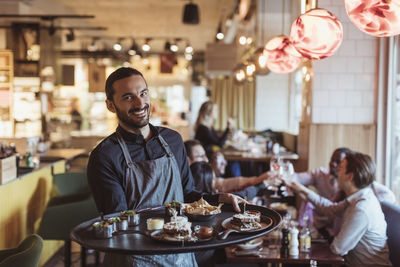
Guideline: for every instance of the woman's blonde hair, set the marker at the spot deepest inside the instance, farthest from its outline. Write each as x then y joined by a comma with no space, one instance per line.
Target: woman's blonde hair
205,114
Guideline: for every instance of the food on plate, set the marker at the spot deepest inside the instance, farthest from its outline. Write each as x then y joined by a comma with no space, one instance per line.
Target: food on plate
173,208
249,220
179,228
201,207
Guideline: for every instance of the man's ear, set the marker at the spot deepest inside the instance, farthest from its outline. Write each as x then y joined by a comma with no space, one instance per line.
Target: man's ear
110,105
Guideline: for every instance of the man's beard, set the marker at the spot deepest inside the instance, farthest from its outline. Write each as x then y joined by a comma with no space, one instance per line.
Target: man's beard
131,123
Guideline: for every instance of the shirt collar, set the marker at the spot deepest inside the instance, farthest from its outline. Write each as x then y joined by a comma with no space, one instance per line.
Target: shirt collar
359,195
136,138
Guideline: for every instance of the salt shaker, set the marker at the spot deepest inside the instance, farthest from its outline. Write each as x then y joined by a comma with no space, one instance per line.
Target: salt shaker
294,242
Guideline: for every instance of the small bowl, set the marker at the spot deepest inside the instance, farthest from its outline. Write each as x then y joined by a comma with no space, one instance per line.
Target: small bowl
203,232
199,217
252,244
155,224
122,224
102,230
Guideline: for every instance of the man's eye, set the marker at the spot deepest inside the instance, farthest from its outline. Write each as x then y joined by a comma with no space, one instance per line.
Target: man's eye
128,97
144,94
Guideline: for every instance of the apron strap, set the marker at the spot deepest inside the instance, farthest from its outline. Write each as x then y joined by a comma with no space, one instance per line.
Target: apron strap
165,146
125,150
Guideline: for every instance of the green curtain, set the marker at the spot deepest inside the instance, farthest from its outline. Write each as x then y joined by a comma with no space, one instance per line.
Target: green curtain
236,100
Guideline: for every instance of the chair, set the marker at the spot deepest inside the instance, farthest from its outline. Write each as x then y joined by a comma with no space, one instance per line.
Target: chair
71,183
392,217
73,206
27,254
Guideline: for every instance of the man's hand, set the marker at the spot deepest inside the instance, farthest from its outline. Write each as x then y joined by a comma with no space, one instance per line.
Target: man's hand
299,189
231,199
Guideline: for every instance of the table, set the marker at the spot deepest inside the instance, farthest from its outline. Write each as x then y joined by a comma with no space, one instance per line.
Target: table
320,252
68,154
238,155
136,240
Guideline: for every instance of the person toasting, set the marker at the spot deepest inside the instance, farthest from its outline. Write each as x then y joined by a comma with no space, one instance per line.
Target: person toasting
362,239
140,165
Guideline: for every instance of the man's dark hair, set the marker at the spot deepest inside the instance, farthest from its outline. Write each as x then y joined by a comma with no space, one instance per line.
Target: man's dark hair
362,167
341,150
203,176
119,74
189,144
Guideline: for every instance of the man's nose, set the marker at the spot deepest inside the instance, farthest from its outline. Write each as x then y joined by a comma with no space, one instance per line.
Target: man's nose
139,102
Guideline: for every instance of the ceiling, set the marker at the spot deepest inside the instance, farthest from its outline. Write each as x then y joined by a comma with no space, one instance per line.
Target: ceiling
138,19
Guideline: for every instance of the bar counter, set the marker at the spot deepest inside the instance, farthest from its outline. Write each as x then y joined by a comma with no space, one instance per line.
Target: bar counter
24,200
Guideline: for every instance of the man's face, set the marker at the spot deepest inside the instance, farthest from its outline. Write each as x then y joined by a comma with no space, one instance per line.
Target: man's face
219,164
198,154
131,102
343,177
336,158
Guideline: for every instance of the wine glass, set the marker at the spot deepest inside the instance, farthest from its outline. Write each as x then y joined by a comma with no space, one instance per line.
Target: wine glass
276,171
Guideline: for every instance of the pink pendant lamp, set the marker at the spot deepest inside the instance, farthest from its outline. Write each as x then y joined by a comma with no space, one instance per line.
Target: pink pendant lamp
316,34
281,56
380,18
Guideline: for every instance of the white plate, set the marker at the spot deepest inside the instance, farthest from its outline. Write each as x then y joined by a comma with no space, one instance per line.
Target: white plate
252,244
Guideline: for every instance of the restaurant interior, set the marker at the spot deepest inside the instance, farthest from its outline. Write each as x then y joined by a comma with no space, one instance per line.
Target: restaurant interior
293,79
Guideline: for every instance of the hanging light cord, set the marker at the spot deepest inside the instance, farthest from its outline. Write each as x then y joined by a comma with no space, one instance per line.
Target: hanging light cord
283,16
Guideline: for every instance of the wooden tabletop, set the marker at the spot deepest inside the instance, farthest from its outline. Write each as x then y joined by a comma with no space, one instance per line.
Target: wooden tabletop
63,153
320,252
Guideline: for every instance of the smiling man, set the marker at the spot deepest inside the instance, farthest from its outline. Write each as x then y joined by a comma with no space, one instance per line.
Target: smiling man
140,165
362,236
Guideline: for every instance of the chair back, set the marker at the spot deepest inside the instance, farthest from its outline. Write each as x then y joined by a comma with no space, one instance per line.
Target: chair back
27,254
392,217
71,183
60,218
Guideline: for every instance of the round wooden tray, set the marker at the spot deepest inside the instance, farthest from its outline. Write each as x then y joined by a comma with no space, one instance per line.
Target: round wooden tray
136,240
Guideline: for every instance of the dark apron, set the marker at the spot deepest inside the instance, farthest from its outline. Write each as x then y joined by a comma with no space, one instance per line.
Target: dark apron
151,183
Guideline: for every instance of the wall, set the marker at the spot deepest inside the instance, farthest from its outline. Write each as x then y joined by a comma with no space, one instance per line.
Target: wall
272,91
344,84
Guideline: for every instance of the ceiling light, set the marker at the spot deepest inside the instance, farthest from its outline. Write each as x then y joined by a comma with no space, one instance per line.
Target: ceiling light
249,40
189,49
250,69
92,46
70,36
377,18
281,55
146,46
191,14
316,34
240,75
188,57
242,40
220,35
174,48
117,46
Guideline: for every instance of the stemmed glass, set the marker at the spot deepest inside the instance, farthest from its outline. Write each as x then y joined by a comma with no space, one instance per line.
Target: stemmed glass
276,171
287,173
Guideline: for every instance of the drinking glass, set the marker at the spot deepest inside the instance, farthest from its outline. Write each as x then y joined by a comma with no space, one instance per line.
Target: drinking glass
276,171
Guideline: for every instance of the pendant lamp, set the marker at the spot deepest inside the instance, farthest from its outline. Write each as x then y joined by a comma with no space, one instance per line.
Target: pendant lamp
380,18
316,34
281,55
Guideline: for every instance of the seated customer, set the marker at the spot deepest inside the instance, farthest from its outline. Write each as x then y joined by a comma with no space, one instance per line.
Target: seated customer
362,236
196,153
326,183
205,181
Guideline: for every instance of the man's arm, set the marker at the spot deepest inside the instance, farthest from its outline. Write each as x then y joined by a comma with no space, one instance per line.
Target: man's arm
355,223
105,185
